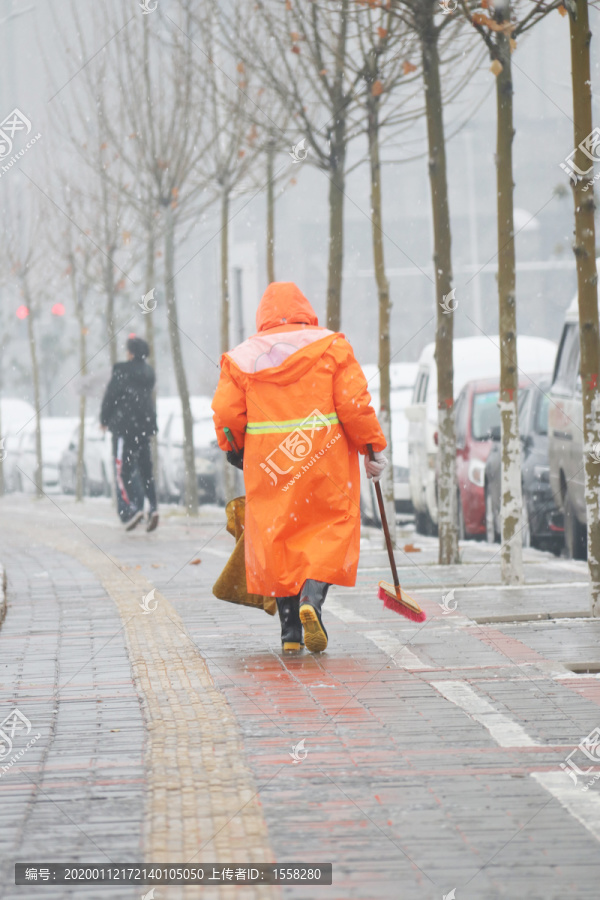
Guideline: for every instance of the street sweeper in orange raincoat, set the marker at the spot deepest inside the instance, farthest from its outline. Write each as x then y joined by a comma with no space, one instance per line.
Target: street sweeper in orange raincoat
296,406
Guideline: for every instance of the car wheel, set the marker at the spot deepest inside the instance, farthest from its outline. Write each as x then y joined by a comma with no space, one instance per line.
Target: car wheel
556,546
491,535
422,523
575,533
525,526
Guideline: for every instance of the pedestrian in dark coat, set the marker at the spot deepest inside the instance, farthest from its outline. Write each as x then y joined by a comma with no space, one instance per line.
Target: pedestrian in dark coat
128,411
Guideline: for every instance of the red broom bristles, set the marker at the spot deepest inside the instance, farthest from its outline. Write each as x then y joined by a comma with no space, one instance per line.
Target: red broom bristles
403,605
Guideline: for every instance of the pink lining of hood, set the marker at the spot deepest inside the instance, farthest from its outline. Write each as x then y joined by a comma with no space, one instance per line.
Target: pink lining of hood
267,351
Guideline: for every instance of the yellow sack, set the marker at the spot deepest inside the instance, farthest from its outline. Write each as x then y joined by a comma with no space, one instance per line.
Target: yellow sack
231,583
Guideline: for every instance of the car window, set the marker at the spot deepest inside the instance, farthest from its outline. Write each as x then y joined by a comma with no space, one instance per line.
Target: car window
567,365
460,413
524,408
421,387
541,414
486,414
417,388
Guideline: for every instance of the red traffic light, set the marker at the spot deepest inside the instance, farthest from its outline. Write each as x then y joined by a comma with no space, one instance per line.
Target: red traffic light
58,309
22,312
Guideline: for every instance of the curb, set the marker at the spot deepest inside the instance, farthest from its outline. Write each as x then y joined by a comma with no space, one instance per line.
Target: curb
2,593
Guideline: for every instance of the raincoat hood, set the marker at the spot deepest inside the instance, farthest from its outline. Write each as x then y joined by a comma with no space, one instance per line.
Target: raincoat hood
283,303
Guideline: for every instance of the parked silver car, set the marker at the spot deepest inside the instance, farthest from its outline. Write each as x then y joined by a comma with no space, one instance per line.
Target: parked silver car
565,433
55,433
208,458
474,358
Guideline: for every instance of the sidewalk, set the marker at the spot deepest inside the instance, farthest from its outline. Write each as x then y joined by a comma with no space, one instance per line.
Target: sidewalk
431,752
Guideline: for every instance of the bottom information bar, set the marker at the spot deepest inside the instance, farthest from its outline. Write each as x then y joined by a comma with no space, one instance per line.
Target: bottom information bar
150,873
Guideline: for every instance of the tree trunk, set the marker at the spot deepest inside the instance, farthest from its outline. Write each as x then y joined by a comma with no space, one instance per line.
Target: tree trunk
585,255
511,553
270,212
35,375
79,484
442,260
383,291
337,179
149,317
190,482
225,311
228,471
109,287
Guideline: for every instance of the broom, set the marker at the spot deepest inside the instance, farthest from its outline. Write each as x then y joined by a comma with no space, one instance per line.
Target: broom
391,594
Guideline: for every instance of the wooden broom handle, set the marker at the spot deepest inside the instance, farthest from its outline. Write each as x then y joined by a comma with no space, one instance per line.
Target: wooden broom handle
384,522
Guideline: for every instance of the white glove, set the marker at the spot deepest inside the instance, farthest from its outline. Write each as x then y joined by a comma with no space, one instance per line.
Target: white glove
374,467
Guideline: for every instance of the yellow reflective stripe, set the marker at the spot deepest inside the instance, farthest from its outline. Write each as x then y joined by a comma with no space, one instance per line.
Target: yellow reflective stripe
304,424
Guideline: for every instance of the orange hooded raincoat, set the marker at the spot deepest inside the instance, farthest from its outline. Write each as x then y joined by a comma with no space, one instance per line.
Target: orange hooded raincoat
296,399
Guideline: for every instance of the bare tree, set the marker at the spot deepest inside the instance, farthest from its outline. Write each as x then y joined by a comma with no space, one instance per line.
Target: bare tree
301,52
87,127
163,103
80,256
499,31
587,283
421,16
384,45
25,255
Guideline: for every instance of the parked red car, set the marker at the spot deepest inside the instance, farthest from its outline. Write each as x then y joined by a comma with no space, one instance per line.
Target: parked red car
477,418
476,414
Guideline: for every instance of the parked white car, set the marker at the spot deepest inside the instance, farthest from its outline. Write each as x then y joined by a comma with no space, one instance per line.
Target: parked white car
16,417
474,358
402,381
56,432
97,461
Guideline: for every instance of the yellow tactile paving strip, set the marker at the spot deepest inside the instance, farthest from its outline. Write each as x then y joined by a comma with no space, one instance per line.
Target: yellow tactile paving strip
201,803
